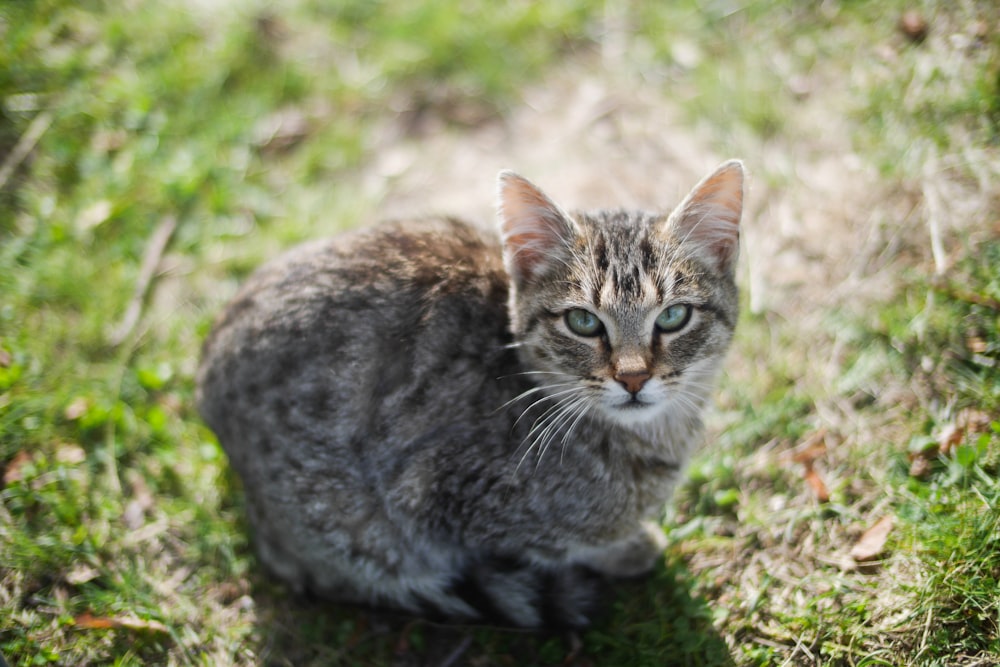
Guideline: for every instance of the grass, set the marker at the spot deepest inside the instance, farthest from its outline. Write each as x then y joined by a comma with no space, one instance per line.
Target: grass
238,130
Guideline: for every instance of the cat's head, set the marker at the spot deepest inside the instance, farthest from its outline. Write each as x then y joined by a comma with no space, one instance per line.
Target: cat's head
623,314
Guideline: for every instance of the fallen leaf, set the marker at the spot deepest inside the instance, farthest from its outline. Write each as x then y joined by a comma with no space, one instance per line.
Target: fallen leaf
870,546
13,471
88,621
810,449
806,454
817,485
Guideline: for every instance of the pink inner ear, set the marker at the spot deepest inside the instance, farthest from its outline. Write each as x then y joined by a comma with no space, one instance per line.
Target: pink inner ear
710,216
534,229
724,191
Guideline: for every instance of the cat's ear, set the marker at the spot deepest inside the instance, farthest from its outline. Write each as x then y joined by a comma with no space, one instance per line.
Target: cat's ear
534,229
708,219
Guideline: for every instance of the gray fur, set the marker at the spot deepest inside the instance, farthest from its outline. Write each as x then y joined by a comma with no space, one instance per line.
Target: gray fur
416,427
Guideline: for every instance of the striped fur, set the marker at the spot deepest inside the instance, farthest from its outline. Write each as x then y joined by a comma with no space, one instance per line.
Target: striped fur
418,425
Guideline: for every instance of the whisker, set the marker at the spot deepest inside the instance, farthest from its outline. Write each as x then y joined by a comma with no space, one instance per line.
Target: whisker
686,401
583,409
554,423
542,419
544,398
533,390
514,375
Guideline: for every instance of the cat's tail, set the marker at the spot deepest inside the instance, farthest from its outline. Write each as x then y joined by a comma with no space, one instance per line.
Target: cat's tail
508,591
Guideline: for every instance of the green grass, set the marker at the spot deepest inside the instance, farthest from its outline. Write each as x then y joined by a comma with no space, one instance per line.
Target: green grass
245,124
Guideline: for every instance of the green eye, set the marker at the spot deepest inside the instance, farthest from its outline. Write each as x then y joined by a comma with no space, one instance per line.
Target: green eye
673,318
583,322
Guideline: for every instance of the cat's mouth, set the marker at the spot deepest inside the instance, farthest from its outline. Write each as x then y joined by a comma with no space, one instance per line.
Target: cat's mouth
635,403
633,411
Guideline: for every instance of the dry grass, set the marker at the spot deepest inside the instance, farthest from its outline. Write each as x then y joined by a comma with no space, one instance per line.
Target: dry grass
869,266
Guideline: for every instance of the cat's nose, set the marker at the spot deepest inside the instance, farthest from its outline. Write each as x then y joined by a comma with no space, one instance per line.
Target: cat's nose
632,380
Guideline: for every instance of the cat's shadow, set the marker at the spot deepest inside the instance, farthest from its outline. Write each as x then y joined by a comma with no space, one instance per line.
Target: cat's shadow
656,620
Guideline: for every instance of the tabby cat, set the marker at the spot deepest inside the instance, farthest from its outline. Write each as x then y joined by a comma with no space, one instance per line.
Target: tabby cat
476,427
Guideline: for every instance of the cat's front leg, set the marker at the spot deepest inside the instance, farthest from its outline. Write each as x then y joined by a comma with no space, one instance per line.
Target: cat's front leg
629,557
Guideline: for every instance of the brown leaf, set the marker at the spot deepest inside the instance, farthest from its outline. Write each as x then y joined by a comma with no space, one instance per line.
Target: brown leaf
810,449
88,621
817,485
806,454
870,546
12,472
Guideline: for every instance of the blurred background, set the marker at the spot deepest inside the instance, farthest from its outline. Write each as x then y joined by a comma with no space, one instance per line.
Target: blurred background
845,507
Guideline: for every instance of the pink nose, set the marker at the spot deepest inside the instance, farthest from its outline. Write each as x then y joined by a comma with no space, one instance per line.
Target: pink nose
632,380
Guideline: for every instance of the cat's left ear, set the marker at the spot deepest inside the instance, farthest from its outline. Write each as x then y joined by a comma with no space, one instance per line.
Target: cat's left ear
708,219
535,231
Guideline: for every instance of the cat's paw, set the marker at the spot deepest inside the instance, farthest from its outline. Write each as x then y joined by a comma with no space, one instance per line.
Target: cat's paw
631,557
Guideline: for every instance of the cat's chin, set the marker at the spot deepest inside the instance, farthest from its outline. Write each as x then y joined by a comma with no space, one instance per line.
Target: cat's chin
635,413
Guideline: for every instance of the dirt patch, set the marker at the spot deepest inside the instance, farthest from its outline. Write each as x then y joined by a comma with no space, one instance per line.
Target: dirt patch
815,226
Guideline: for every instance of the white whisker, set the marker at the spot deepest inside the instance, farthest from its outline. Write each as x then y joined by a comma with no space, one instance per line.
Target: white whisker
545,398
536,435
552,425
514,375
582,409
533,390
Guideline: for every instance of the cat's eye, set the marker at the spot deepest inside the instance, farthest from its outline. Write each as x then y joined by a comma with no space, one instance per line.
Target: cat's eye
673,318
583,322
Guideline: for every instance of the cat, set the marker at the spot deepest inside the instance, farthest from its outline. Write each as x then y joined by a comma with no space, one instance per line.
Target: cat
471,426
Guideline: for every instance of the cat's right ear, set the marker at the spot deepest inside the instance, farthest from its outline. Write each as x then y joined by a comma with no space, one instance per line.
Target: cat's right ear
534,229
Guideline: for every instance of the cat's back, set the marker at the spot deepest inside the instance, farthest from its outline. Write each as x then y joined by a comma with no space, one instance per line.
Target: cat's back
374,269
345,329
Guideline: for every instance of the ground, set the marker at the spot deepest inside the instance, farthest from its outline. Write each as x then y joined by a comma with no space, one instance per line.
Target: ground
844,508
